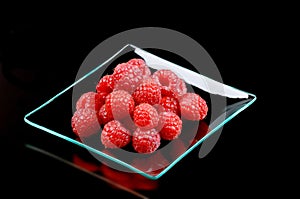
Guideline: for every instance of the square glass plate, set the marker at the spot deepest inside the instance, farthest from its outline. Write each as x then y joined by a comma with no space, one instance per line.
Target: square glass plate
224,103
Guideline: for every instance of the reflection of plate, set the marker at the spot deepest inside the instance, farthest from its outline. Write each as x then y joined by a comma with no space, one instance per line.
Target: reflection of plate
54,117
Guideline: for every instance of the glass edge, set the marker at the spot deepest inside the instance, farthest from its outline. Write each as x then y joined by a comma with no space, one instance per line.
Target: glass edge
76,82
152,177
208,135
72,140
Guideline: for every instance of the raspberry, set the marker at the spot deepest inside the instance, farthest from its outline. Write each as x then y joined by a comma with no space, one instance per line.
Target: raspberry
170,125
193,107
137,62
89,100
142,65
145,116
134,101
114,135
147,92
167,92
170,104
127,77
105,84
165,77
102,97
119,104
145,141
169,79
85,122
104,116
180,89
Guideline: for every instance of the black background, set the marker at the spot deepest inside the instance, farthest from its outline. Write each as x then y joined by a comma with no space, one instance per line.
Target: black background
55,51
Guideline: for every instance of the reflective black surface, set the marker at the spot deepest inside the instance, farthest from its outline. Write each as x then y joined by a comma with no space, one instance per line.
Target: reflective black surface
32,54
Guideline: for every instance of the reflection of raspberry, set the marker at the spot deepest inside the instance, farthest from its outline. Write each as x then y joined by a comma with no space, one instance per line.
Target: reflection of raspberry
120,104
114,135
89,100
85,122
169,79
104,116
78,161
127,77
142,65
170,104
152,164
146,141
202,130
133,181
105,84
193,107
170,125
145,116
147,92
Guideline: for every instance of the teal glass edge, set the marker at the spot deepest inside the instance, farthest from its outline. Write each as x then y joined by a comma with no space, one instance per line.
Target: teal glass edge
155,177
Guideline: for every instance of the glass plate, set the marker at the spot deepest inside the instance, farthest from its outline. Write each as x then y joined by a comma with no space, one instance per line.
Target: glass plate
224,102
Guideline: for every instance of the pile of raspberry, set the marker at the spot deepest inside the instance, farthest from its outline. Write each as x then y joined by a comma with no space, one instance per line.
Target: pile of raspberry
135,106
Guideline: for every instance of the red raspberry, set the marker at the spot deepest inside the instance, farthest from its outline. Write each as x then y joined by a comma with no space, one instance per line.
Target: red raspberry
114,135
104,116
170,125
102,97
145,116
137,62
89,100
145,141
127,77
85,122
167,92
105,84
147,92
120,104
142,65
170,104
169,79
193,107
180,89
